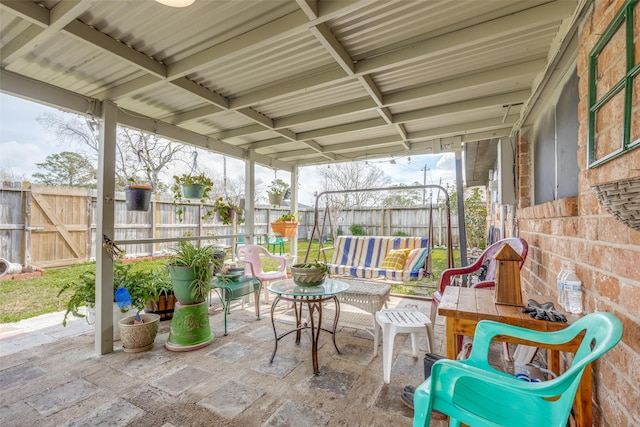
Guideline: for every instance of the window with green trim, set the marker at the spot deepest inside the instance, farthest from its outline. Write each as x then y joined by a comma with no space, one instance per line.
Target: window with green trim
614,88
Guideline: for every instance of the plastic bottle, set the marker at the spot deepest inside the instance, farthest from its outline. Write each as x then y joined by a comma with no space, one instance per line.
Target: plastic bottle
560,285
573,290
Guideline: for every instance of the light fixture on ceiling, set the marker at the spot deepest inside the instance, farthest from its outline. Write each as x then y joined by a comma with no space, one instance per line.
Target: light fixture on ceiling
176,3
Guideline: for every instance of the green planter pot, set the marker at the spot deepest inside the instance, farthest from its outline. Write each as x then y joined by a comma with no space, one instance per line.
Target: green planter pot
182,280
190,328
193,191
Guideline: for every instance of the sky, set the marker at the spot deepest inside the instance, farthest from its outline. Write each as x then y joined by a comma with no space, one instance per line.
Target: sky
24,142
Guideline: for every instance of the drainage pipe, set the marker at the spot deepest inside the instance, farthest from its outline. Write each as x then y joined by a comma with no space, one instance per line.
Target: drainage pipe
7,267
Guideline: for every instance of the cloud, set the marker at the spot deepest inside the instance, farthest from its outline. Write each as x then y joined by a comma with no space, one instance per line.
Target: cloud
19,159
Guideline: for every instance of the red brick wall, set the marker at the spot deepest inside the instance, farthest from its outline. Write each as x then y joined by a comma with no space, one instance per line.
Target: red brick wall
605,251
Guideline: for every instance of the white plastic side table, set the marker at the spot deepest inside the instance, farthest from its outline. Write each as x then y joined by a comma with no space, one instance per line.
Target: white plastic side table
397,321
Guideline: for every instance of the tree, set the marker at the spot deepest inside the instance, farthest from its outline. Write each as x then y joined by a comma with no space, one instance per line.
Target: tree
351,176
139,155
412,197
475,215
67,168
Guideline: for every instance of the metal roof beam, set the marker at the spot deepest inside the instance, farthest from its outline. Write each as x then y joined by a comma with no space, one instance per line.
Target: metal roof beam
466,38
266,143
59,16
458,107
196,113
348,127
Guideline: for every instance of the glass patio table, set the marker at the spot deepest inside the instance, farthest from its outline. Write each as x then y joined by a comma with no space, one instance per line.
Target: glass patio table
314,297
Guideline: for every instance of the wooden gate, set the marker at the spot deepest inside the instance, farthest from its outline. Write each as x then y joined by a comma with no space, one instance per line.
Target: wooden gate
57,234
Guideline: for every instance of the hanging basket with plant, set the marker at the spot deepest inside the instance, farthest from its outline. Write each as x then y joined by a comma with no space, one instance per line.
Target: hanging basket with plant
187,187
276,191
286,225
137,195
227,211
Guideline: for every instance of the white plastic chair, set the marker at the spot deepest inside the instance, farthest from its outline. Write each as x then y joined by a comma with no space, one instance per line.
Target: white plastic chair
394,321
251,256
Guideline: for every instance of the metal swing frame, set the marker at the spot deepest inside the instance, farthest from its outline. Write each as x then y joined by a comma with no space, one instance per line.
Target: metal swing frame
316,216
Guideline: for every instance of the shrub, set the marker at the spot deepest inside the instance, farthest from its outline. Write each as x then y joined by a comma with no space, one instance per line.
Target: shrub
357,230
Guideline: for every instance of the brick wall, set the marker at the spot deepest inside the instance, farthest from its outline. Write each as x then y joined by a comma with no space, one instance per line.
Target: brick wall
605,251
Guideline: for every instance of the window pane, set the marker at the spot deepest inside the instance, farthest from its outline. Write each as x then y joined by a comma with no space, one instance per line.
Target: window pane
636,32
635,110
609,126
610,64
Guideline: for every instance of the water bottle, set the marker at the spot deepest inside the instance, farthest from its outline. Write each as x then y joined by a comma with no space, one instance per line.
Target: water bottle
573,290
560,285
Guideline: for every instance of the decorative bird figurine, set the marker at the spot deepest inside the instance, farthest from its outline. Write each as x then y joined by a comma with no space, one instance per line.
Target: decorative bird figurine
123,299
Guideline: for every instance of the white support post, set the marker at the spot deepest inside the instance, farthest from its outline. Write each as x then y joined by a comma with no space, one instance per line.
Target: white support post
293,247
249,196
105,226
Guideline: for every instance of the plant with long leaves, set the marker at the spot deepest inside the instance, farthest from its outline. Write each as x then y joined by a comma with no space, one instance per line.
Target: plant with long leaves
201,258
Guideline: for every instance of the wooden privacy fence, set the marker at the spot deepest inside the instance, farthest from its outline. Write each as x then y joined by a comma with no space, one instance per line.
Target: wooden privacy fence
46,226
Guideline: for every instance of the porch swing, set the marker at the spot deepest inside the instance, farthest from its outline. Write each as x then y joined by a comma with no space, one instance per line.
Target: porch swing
380,258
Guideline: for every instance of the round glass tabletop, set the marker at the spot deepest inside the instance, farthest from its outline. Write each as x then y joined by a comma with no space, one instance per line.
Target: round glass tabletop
288,287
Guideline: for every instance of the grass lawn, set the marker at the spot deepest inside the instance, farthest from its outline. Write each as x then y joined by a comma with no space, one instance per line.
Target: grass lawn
26,298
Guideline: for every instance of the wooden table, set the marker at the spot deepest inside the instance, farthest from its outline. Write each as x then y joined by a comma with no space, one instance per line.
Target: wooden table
465,307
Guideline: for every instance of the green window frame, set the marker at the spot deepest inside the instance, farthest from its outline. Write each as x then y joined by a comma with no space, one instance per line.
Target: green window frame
599,103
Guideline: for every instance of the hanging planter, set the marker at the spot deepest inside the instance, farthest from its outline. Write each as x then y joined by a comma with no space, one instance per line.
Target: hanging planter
138,197
227,211
193,191
191,187
286,225
276,191
275,199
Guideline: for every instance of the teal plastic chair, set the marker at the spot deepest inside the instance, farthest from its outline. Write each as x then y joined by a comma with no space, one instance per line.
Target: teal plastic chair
276,243
472,392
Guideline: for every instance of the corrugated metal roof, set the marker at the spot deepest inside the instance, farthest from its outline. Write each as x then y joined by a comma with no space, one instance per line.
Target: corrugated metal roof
299,82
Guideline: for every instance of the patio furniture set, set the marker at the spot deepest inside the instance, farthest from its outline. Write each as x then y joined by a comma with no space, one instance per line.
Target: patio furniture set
467,390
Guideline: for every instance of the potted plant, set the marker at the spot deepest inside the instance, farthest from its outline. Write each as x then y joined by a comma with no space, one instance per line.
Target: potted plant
191,270
190,186
137,283
137,195
218,260
227,210
286,225
276,191
309,274
165,300
136,289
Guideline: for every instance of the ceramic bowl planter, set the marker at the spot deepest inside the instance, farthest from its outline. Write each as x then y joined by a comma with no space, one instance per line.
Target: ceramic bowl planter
138,197
138,337
309,274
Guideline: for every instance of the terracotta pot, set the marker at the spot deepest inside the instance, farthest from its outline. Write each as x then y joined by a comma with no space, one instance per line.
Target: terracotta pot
285,228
